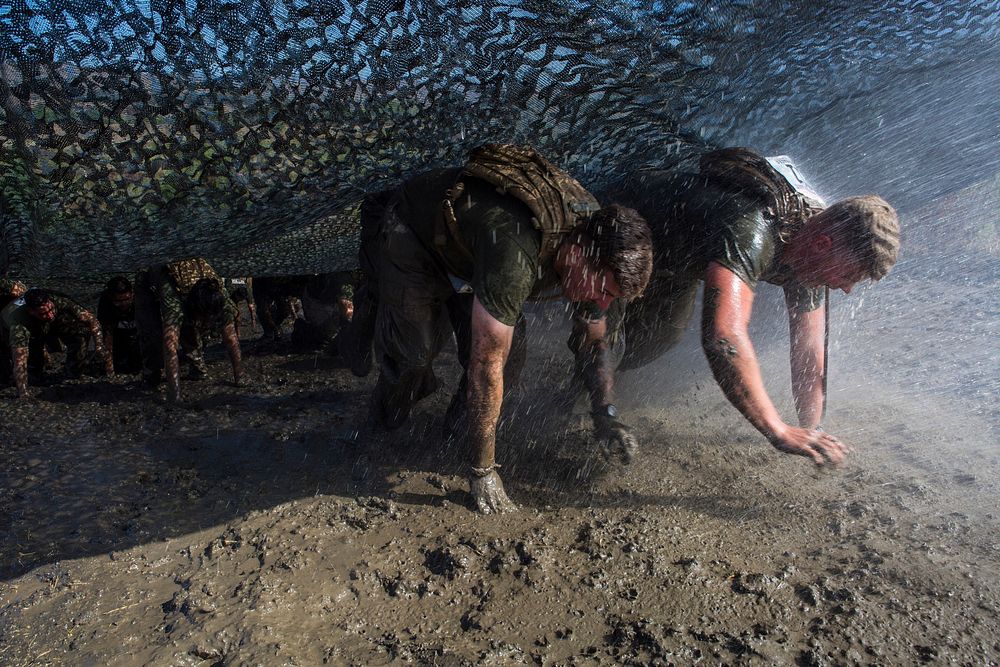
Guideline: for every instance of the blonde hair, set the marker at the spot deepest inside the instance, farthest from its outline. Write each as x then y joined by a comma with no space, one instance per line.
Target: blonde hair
869,227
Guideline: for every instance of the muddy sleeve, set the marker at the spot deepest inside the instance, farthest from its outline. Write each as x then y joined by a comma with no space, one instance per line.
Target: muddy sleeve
229,311
743,242
65,305
18,335
506,264
803,299
171,301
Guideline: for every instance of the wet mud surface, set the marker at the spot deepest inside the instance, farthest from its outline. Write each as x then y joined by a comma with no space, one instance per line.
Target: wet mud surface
255,526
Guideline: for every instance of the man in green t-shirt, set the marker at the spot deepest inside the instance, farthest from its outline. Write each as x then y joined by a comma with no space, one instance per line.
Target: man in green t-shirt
36,319
173,304
479,273
742,220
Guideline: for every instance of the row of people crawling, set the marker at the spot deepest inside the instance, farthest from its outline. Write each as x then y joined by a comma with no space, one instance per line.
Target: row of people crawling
464,249
146,326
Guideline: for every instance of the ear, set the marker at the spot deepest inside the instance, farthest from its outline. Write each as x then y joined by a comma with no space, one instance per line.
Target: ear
571,254
822,243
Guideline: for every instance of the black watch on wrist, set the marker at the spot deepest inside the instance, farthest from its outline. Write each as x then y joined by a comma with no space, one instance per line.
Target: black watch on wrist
608,410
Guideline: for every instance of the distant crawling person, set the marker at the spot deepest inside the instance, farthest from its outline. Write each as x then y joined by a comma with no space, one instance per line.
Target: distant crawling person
240,290
38,319
173,303
116,313
742,220
277,298
476,243
327,305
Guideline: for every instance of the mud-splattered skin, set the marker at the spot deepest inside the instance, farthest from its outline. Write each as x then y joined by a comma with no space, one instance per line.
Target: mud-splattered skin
171,366
491,341
595,366
731,356
232,342
20,357
90,320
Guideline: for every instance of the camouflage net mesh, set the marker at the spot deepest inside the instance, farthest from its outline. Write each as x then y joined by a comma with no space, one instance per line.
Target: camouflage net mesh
135,131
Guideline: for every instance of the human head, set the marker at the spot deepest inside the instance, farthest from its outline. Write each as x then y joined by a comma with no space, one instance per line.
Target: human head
12,288
607,256
206,301
239,293
39,304
853,240
119,290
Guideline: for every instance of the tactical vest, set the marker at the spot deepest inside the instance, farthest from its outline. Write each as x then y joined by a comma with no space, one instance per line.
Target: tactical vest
186,272
557,201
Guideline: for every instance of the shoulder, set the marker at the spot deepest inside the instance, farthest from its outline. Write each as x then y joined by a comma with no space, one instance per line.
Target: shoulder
12,311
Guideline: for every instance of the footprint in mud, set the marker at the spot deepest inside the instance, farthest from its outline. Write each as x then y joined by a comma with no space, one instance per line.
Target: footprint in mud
965,479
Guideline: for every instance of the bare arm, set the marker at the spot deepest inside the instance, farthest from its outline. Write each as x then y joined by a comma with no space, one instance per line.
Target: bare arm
109,343
171,335
593,361
232,343
594,365
19,355
491,340
490,345
806,333
95,330
727,306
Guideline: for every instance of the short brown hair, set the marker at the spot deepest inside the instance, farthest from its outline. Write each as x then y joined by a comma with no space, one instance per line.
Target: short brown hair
869,227
619,239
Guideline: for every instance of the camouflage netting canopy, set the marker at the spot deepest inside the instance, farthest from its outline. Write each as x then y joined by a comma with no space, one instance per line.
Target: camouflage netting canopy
133,131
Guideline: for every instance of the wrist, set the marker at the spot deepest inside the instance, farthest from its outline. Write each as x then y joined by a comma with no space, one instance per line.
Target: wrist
776,431
607,410
483,471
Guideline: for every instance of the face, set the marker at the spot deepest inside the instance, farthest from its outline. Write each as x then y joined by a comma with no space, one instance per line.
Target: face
46,312
582,282
123,301
831,266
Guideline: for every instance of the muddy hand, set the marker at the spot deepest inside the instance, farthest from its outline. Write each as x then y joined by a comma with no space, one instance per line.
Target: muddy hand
615,436
488,495
821,447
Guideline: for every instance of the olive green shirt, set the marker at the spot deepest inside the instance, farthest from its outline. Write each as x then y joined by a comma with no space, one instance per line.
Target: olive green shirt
695,223
497,254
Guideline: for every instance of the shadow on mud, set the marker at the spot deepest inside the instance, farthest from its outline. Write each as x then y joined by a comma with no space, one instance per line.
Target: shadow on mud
128,470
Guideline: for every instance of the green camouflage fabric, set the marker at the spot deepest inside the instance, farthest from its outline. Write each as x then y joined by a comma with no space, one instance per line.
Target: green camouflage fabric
171,299
186,272
137,133
557,201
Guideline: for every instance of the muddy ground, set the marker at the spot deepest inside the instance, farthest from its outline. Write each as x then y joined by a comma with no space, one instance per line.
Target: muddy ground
250,526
